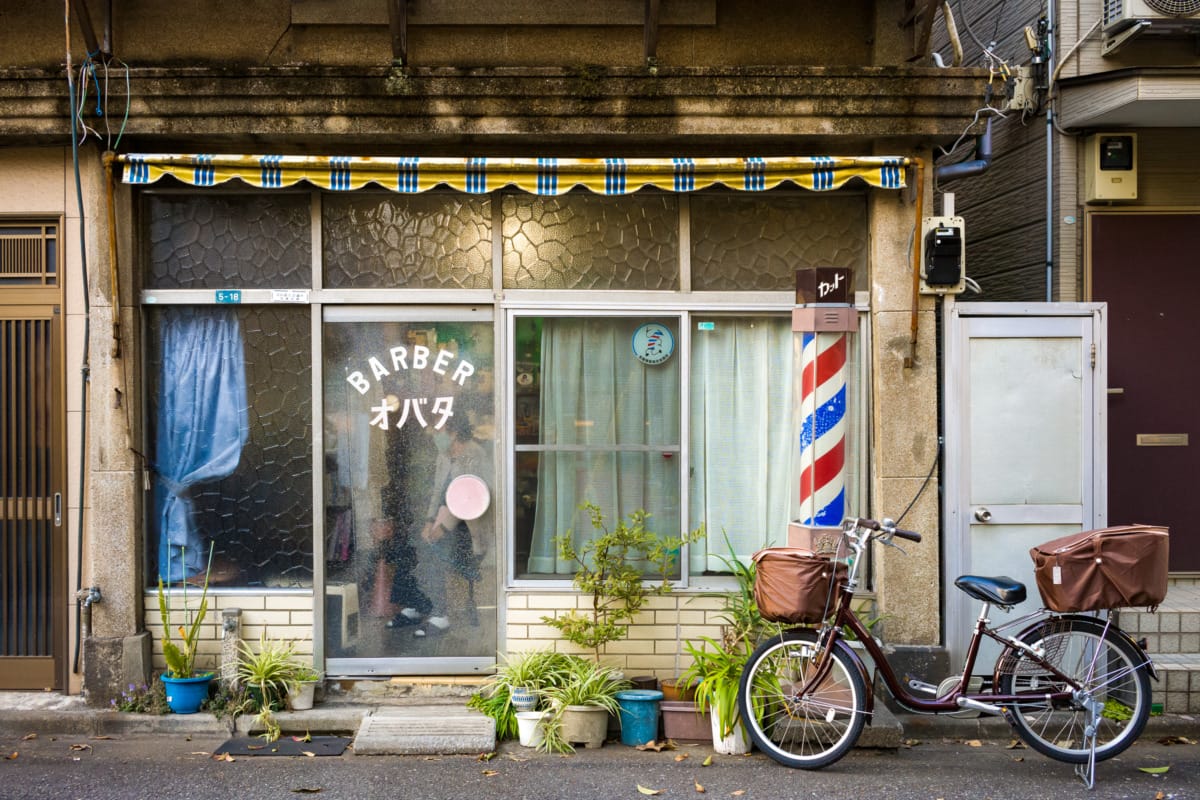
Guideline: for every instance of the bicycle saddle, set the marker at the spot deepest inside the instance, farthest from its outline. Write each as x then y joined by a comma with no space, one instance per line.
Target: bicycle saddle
1001,589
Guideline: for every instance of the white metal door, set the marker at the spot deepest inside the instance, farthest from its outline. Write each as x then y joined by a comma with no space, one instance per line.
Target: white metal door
1025,447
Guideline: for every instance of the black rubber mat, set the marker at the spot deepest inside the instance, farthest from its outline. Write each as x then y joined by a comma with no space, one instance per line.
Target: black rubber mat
284,746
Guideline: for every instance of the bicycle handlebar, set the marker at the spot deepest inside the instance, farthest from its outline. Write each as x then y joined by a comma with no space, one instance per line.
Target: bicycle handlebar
888,527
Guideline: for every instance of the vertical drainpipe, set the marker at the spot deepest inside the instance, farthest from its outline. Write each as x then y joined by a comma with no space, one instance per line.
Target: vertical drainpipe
1050,26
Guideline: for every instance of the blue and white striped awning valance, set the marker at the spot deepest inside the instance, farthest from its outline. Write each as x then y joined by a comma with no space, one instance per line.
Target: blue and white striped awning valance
545,176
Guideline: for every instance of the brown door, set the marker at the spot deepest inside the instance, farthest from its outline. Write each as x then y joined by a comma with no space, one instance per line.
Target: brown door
33,608
1145,266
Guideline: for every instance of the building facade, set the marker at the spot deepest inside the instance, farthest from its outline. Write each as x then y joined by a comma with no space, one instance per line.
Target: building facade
352,306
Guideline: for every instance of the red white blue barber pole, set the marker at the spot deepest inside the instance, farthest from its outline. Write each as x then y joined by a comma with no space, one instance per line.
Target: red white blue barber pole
823,428
823,317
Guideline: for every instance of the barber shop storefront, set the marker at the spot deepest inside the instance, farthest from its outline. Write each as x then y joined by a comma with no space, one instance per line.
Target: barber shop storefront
376,389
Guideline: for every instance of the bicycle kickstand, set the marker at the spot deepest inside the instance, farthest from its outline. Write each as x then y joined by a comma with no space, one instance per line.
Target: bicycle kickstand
1086,772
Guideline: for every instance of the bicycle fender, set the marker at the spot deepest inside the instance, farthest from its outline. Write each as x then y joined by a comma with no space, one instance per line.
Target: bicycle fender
1149,663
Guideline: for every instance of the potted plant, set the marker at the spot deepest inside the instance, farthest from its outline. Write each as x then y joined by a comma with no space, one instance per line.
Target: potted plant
270,673
518,687
302,690
607,568
580,706
716,669
186,689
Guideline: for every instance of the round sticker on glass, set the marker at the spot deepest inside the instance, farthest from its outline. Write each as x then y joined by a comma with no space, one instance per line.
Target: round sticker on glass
653,343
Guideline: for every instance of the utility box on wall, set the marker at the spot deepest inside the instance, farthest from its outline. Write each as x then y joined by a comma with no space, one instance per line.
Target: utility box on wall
943,255
1110,168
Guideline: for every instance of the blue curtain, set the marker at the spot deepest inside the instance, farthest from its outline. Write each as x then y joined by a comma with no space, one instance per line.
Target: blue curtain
202,425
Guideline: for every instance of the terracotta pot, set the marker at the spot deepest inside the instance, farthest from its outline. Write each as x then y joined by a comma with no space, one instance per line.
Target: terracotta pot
586,725
672,691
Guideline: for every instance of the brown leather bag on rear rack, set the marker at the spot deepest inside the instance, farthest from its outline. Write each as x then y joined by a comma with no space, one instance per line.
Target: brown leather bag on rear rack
1123,567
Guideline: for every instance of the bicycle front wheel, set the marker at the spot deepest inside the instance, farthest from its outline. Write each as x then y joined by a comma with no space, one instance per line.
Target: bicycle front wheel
1104,667
807,729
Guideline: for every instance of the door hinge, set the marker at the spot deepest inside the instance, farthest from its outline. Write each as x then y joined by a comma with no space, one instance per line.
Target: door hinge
1093,356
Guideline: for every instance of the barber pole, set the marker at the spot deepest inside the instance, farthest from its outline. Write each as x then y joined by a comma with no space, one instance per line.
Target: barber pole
823,428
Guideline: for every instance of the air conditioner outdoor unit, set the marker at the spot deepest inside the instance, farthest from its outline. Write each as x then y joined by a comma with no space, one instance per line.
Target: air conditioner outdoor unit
1164,16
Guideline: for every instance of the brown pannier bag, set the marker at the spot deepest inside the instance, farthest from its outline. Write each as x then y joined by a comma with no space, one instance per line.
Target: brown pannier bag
796,586
1107,568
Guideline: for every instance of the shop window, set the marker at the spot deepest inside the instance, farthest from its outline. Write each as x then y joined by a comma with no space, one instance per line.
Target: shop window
427,241
229,418
751,243
593,423
598,420
218,241
586,241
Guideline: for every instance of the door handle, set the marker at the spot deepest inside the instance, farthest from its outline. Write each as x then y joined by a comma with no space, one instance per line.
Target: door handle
57,509
982,514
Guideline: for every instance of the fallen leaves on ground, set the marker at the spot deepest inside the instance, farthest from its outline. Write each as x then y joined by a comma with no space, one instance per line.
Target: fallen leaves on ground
973,743
1155,770
488,773
309,753
11,755
683,756
910,743
644,790
737,793
79,747
700,788
307,737
1170,740
223,757
28,737
707,762
657,747
1015,744
486,756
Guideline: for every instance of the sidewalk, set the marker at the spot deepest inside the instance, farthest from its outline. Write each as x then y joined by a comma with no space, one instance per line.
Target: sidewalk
47,713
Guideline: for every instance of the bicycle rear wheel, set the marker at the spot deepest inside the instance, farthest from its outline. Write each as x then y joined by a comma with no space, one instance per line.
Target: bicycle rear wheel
1105,666
809,731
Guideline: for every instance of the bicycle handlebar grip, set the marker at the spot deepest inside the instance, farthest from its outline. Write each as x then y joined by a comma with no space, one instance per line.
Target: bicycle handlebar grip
912,536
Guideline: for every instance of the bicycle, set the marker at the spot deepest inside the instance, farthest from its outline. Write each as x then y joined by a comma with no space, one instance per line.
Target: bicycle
1074,687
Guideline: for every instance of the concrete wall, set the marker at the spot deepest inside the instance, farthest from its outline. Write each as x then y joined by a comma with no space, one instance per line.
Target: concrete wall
553,32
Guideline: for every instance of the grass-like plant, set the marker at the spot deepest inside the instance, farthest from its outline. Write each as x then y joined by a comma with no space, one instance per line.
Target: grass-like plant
587,683
536,670
270,671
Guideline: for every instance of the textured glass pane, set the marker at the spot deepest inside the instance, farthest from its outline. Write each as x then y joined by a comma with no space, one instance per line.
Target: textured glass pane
213,241
260,516
757,243
587,241
408,430
426,241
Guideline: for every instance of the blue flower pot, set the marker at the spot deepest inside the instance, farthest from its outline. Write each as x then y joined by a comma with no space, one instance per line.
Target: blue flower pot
639,715
186,695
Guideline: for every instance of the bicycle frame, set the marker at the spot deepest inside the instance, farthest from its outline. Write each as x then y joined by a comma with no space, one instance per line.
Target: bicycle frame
958,696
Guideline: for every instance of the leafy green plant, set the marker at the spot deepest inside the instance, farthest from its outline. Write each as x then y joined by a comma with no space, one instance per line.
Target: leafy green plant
587,683
142,699
607,570
269,672
181,658
717,670
536,670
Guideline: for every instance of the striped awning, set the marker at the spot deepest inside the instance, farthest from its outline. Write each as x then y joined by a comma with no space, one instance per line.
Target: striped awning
545,176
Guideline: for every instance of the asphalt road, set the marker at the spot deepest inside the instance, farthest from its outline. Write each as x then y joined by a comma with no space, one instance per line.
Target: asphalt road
66,767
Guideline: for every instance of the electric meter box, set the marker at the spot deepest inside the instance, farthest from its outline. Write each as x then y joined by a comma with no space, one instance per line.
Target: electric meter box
1110,168
943,255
